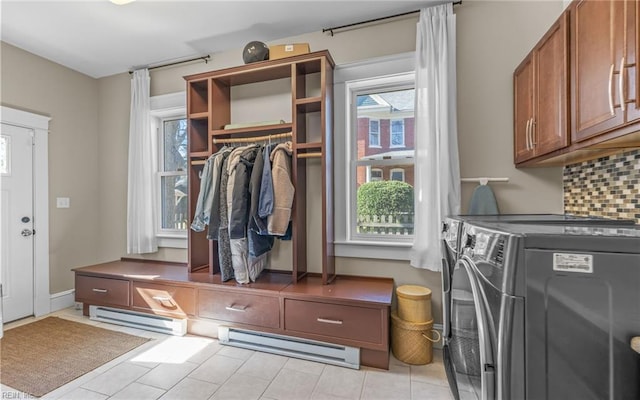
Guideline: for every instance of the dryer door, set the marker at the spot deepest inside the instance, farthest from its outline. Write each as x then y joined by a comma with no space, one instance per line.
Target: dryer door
450,245
470,353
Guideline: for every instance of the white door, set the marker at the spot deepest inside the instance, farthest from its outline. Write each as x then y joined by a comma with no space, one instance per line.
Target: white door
16,222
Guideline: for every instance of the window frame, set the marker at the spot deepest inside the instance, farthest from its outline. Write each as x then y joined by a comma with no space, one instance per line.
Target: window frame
370,174
167,107
162,173
344,245
401,170
391,133
379,145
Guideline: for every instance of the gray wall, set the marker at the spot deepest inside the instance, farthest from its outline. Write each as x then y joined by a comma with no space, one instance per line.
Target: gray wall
36,85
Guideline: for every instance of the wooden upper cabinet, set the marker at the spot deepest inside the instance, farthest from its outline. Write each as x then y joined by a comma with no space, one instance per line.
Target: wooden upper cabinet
523,109
631,73
604,73
541,96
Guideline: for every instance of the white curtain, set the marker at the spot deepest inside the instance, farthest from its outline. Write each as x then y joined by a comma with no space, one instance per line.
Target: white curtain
143,161
437,168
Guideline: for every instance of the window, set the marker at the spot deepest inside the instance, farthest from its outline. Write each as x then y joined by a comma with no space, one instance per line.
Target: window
168,118
375,174
397,133
374,133
381,210
367,88
173,176
397,174
5,155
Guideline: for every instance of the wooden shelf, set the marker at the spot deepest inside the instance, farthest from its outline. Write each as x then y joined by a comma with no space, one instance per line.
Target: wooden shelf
309,104
199,154
199,115
309,146
344,288
262,130
271,281
267,70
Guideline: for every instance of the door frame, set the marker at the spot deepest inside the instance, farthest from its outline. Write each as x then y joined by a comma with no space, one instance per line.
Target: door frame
39,124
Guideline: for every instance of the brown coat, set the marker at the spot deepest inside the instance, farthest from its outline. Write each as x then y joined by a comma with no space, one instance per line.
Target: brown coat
283,189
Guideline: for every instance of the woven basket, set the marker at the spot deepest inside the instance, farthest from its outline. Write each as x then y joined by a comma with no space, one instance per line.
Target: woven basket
414,303
412,342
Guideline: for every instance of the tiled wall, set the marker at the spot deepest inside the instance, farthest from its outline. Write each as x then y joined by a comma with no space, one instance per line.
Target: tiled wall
608,187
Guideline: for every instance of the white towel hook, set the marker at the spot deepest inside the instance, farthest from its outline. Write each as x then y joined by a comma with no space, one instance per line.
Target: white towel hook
483,181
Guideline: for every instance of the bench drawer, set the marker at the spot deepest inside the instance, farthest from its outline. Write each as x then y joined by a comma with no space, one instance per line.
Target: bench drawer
241,308
174,300
91,289
360,324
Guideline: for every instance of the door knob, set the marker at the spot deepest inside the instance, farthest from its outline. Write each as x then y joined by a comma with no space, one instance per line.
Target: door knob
26,232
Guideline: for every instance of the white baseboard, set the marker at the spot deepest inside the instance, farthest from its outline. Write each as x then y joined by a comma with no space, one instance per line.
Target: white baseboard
63,300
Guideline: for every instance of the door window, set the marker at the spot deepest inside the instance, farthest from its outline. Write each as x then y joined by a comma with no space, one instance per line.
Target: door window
5,160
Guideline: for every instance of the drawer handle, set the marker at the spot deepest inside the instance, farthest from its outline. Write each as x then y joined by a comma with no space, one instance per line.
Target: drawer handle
330,321
236,308
100,290
165,301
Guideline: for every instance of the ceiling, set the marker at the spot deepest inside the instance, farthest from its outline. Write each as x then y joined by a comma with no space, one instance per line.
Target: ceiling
99,38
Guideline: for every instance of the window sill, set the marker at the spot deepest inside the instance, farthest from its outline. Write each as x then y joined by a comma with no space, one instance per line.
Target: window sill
377,250
176,242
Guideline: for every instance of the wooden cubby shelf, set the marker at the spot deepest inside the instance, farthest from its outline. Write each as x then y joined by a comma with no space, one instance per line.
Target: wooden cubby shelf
222,87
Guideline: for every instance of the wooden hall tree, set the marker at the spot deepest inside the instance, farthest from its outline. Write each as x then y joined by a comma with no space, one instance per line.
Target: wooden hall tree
307,301
216,100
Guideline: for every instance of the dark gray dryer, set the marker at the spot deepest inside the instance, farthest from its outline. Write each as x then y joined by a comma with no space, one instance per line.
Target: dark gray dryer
569,307
452,234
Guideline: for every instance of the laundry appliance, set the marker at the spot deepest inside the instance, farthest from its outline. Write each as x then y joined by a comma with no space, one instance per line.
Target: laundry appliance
452,233
545,311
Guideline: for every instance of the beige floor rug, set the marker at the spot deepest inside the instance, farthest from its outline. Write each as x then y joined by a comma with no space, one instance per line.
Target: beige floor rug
39,357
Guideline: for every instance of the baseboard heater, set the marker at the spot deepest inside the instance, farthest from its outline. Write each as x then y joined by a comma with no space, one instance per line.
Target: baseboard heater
306,349
149,322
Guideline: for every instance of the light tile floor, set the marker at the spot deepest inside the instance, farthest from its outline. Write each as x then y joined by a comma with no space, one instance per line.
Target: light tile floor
193,367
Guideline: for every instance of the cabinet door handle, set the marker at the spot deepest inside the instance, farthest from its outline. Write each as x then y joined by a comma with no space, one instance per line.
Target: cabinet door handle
621,85
236,308
527,134
613,112
161,298
533,133
100,290
330,321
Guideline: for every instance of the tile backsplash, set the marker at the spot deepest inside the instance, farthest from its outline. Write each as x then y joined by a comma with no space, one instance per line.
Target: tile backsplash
607,187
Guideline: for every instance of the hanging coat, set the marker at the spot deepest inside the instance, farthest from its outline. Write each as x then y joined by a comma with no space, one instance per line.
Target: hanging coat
283,189
258,244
